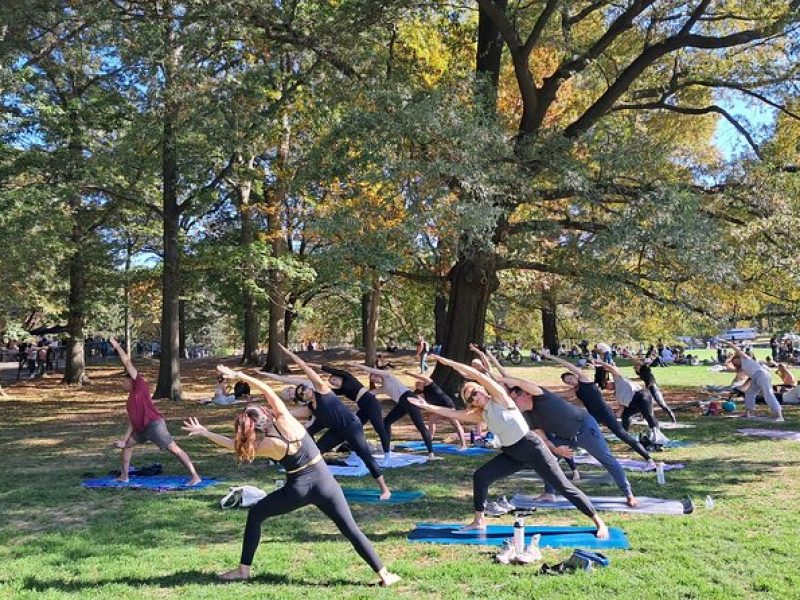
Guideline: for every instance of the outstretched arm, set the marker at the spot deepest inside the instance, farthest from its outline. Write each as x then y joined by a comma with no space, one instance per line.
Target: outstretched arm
419,377
494,389
290,379
193,427
524,384
465,416
334,371
371,370
275,403
736,349
123,356
608,367
312,375
491,360
574,369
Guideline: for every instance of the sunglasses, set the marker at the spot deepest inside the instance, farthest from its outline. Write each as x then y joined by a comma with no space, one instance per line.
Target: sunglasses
473,394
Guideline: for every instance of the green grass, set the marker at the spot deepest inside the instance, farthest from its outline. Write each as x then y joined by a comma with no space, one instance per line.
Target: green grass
58,540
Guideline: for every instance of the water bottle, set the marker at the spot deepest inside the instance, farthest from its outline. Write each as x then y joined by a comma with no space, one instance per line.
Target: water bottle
472,437
660,479
519,535
709,502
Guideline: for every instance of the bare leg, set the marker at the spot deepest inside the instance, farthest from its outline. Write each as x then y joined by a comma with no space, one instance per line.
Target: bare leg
386,493
460,430
127,452
178,453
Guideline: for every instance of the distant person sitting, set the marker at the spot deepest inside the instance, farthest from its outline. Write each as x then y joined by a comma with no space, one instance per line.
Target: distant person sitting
222,397
241,391
391,346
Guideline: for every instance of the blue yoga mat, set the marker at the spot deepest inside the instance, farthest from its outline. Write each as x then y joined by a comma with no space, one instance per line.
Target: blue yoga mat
363,496
494,535
159,483
446,449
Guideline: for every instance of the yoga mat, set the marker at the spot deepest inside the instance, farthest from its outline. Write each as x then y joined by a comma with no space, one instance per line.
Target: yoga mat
626,463
754,418
665,425
792,436
494,535
446,449
649,506
363,496
610,437
356,467
596,477
338,471
158,483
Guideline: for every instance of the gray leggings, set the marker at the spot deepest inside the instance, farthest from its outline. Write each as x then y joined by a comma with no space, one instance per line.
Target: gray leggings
528,453
313,485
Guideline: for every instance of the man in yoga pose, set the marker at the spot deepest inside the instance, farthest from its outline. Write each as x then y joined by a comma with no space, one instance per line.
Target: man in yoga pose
520,447
145,423
589,394
760,382
643,369
433,394
345,384
545,412
330,413
308,480
633,399
388,384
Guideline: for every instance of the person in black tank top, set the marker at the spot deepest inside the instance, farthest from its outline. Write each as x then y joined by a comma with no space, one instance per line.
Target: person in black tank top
308,479
341,424
436,396
645,373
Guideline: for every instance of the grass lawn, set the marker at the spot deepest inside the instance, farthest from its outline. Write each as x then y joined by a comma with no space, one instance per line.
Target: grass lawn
58,540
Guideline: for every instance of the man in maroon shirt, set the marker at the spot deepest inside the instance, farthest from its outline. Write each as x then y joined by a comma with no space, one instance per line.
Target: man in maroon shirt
145,423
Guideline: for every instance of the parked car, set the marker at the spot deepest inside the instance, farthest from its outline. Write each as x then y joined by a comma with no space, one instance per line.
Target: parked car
744,333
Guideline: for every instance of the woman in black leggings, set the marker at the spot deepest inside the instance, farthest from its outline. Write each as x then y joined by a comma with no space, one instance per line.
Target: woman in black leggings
369,407
521,448
433,394
391,386
308,480
645,373
633,399
592,398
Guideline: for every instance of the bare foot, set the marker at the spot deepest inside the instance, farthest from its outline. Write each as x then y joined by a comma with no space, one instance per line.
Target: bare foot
237,574
122,479
432,456
194,480
632,501
545,498
476,525
602,532
388,578
385,495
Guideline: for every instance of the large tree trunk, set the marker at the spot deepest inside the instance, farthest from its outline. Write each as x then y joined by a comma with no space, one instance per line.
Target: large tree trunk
252,325
472,281
373,315
549,323
182,328
440,315
75,369
169,368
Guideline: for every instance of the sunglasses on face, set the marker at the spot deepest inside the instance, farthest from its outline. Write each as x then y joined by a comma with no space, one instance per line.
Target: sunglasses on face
473,394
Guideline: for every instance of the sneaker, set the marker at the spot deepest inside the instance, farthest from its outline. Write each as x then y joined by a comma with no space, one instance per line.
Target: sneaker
779,419
531,554
505,504
507,554
493,509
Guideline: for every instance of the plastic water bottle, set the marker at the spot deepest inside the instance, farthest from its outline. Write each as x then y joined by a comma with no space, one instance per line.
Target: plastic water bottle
519,535
660,479
472,437
709,503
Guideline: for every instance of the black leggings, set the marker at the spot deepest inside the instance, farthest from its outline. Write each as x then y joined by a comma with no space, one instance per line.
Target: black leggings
602,414
369,409
642,403
655,391
313,485
403,408
354,436
528,453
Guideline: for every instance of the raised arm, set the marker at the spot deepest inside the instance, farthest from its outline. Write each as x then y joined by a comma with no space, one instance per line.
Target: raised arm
574,369
317,381
419,377
334,371
290,379
371,370
608,367
491,360
739,352
494,389
123,356
275,403
523,384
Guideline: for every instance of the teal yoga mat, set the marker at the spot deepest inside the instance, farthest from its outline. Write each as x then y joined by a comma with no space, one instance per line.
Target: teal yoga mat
363,496
494,535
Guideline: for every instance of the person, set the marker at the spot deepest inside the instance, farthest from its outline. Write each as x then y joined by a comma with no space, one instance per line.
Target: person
308,479
145,423
241,391
760,382
521,448
318,400
546,412
391,346
645,372
345,384
436,396
422,353
591,397
222,397
602,352
388,384
633,399
773,346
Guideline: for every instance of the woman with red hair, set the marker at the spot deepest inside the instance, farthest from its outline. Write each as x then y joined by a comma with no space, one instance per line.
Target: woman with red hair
308,480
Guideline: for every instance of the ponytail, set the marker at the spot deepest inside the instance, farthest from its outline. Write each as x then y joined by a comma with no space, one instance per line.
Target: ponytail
244,440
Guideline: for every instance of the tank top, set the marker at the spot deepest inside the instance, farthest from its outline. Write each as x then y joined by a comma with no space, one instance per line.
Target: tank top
331,413
306,453
507,424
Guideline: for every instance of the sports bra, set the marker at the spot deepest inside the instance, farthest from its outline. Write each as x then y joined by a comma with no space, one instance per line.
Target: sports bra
305,453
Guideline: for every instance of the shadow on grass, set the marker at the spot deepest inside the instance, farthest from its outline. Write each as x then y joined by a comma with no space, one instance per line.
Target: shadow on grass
178,579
